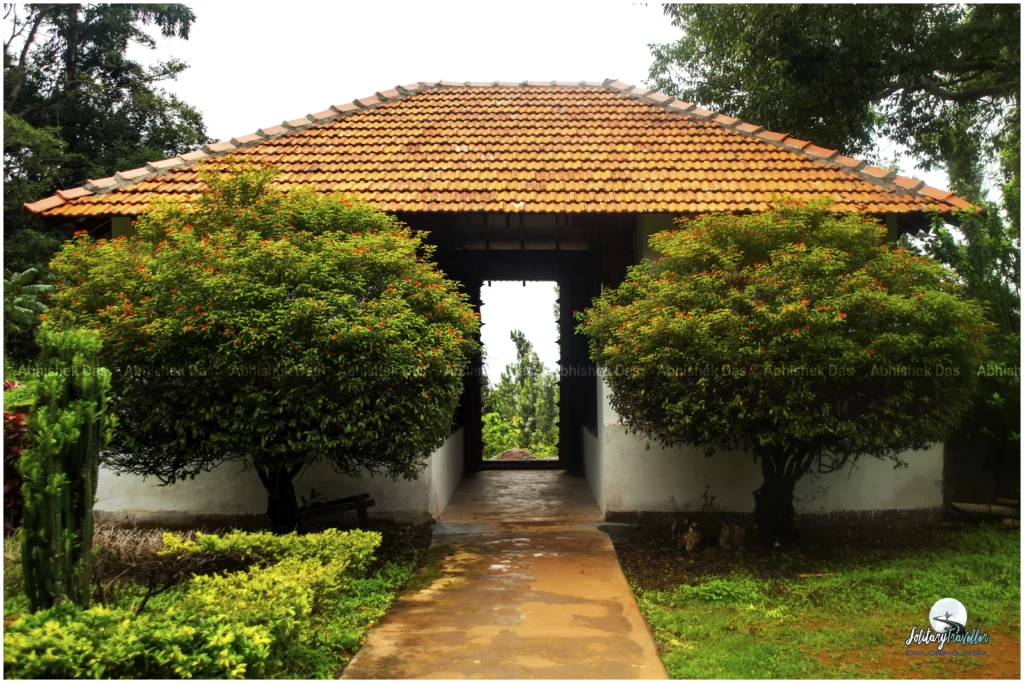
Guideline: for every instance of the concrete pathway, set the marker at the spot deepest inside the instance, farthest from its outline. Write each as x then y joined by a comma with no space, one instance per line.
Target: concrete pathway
519,583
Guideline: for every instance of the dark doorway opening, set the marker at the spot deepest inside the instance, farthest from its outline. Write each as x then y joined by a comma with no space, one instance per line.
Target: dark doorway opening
578,252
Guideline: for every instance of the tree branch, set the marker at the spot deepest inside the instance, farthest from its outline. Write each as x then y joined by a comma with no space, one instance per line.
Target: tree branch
30,39
944,93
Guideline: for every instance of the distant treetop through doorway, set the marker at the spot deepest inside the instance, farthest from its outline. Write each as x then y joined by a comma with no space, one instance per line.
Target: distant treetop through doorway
521,389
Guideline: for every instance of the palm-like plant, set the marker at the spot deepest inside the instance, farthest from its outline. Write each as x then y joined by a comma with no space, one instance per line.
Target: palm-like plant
22,301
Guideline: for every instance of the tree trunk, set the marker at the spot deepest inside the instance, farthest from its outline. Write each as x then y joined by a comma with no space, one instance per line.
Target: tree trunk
282,505
773,502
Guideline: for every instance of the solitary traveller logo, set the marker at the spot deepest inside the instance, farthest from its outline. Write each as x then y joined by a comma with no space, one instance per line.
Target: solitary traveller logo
948,618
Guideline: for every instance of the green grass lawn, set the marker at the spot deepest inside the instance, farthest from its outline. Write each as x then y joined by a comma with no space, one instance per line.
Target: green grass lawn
760,619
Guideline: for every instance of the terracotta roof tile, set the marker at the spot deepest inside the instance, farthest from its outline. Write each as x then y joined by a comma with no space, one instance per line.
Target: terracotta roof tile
100,184
542,147
880,173
772,136
164,164
934,192
822,152
617,85
134,174
908,183
704,113
73,193
273,131
193,156
680,105
850,162
45,204
958,203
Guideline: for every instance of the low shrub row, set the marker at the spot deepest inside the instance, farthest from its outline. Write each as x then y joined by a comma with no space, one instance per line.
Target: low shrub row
285,615
264,547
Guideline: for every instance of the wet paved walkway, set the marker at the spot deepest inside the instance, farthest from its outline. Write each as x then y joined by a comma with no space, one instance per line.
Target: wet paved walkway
519,583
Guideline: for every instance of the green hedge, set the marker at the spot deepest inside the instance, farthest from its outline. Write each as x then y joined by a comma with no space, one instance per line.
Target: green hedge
266,621
264,547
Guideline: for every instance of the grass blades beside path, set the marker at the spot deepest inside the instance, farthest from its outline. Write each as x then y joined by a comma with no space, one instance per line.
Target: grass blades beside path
760,619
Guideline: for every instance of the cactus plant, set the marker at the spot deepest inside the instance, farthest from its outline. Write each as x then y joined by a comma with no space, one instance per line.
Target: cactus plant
68,427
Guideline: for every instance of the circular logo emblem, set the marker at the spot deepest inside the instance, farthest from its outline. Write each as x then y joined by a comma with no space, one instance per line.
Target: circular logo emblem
948,614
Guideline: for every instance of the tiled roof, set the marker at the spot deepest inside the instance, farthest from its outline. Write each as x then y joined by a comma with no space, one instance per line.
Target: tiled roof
532,147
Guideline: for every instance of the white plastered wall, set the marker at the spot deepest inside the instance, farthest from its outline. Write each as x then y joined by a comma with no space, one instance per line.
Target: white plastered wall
231,493
625,476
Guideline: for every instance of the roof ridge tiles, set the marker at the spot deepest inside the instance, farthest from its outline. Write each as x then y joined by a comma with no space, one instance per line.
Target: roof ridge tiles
885,178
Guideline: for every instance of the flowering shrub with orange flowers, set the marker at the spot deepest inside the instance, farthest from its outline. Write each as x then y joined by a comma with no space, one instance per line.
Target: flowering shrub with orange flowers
279,330
798,335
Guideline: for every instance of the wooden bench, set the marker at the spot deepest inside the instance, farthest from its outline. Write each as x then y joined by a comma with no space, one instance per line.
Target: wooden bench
359,503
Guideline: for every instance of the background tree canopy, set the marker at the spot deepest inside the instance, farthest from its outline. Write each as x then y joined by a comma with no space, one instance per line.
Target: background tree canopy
521,410
76,107
941,80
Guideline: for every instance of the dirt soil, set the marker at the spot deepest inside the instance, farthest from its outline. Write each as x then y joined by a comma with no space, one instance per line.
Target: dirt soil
652,558
514,454
1002,661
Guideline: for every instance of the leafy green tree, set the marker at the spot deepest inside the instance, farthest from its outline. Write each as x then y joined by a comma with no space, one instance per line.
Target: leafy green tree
797,335
276,330
23,304
526,398
32,162
944,80
498,435
987,262
76,107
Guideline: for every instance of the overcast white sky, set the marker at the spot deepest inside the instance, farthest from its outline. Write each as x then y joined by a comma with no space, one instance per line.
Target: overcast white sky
256,64
510,306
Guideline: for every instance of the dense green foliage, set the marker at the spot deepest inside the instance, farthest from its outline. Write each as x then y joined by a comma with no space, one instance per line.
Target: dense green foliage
522,408
77,107
300,612
23,304
944,80
263,547
68,426
277,330
849,622
796,335
498,435
986,258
